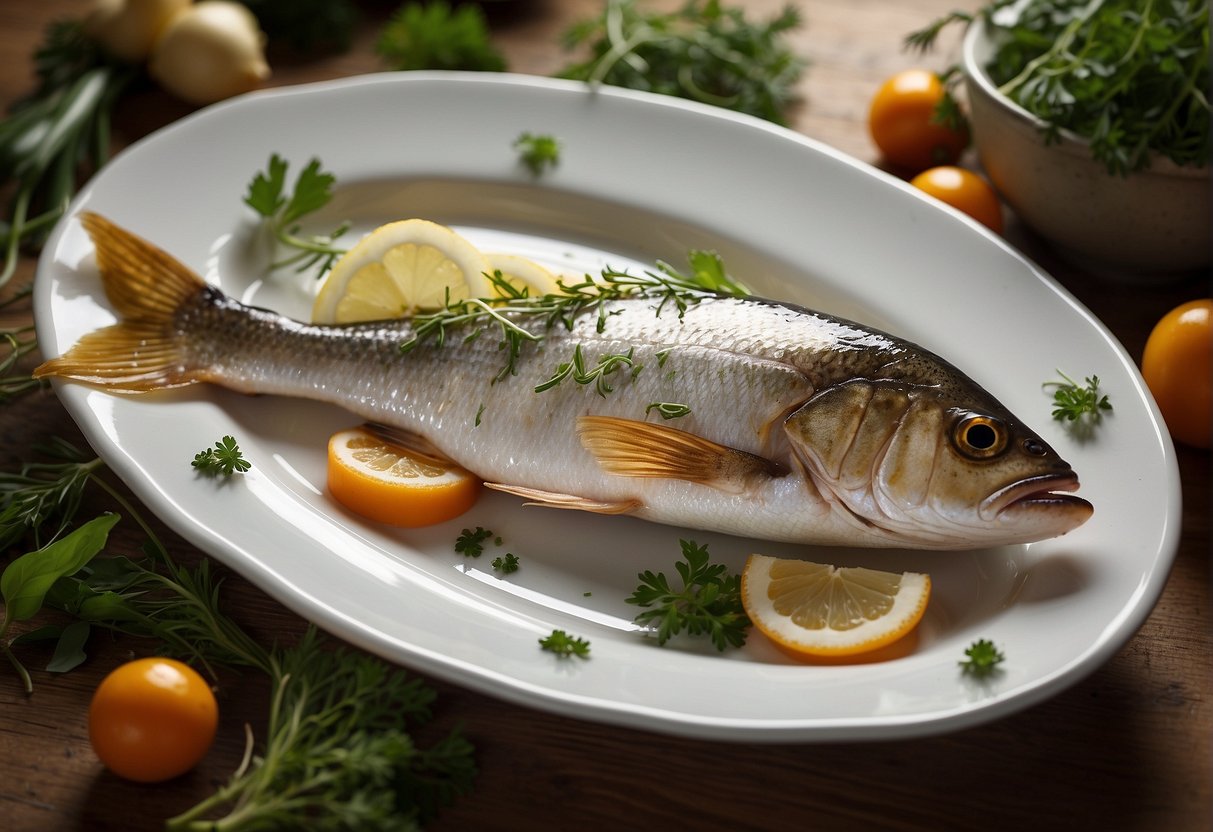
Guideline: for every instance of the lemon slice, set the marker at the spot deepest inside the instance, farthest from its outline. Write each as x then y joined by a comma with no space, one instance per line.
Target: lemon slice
389,484
820,610
400,269
522,273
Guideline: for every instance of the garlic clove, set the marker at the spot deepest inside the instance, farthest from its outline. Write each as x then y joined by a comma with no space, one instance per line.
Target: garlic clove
127,29
210,51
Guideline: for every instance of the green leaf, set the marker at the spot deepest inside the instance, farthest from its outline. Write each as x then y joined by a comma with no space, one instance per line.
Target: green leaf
313,190
433,36
69,652
265,191
27,579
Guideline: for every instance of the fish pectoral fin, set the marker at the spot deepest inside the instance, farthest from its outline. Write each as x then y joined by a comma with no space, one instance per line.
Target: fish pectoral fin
631,448
416,444
552,499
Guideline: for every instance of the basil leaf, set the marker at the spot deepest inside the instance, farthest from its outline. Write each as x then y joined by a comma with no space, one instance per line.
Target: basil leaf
26,581
69,652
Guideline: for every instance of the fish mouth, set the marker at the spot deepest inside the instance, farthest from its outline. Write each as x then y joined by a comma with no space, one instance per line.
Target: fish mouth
1048,492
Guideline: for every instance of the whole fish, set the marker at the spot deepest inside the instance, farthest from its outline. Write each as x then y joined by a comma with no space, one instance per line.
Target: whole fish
790,425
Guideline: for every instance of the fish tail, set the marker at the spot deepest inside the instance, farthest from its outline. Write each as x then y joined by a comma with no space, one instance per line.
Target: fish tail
150,290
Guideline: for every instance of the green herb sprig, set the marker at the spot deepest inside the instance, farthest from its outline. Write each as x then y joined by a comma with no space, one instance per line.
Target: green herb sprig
512,313
707,603
1074,402
507,564
281,211
705,51
55,135
982,658
436,36
538,152
565,645
1131,78
470,542
224,458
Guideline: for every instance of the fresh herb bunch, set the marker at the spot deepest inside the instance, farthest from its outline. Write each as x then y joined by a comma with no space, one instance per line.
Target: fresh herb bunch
436,36
337,752
282,210
708,603
981,658
58,133
705,51
1132,78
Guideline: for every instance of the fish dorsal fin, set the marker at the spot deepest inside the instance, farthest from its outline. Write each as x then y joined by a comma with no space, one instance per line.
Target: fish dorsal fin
631,448
552,499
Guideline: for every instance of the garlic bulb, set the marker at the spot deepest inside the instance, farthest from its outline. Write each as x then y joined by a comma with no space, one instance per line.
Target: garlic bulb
127,29
212,50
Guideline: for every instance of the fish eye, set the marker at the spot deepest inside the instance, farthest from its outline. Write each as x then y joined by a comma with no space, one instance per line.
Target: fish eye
980,437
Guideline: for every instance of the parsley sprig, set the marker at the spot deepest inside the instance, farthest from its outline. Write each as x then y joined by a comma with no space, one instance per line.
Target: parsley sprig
1073,402
537,151
981,658
224,458
565,645
705,51
707,603
1129,77
282,211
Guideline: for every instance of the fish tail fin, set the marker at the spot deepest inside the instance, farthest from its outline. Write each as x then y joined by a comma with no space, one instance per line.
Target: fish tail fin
148,289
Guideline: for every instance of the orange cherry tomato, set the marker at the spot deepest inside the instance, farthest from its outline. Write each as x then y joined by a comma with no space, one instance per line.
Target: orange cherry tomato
901,121
152,719
1177,365
964,191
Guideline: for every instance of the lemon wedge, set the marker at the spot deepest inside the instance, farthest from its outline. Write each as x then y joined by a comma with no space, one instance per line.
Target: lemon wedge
522,273
816,609
399,269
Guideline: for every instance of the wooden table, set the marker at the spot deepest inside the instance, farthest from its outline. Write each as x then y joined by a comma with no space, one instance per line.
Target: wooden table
1126,748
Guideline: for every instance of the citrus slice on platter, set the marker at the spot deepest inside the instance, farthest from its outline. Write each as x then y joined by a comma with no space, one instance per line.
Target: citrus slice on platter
393,485
815,609
522,273
399,269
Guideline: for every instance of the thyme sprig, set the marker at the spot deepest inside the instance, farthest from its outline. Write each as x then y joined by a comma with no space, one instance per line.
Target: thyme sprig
521,318
596,375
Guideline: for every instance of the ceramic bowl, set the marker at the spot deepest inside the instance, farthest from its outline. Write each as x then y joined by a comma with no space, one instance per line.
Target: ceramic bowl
1152,222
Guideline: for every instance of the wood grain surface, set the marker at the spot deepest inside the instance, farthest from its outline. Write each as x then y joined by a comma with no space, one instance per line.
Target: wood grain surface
1127,748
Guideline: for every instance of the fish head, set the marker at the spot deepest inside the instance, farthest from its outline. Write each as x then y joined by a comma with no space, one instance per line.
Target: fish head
931,469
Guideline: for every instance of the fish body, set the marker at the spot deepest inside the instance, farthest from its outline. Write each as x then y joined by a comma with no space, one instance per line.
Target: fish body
796,426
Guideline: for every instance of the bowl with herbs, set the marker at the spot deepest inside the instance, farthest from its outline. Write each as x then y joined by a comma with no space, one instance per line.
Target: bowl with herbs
1092,121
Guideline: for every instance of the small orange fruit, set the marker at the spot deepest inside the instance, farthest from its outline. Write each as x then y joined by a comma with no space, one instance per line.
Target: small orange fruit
152,719
815,609
963,190
1177,365
393,485
902,122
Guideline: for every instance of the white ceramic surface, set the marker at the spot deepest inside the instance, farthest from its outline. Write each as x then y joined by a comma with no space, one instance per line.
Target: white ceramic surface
640,178
1152,223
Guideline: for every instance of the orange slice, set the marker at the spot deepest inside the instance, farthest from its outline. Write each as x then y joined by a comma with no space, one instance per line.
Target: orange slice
815,609
392,485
